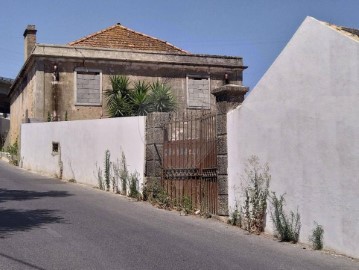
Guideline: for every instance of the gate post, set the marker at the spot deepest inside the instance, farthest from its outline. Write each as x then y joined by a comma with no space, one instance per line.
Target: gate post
228,97
155,123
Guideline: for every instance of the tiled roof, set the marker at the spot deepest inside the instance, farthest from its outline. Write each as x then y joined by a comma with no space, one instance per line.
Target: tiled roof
120,37
8,80
352,31
349,32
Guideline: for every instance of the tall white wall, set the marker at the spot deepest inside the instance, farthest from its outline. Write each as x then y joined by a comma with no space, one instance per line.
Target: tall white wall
303,119
82,146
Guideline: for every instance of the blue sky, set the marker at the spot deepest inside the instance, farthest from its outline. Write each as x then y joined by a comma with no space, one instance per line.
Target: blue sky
256,30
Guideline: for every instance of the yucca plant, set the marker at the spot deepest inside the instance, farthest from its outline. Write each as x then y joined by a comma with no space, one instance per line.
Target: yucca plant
143,99
119,107
118,98
161,98
139,98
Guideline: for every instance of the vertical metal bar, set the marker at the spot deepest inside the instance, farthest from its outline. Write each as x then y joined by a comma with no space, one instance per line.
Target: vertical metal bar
172,157
216,165
183,148
191,157
210,161
170,146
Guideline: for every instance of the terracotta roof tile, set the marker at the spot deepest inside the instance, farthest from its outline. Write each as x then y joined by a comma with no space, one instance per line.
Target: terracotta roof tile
120,37
353,31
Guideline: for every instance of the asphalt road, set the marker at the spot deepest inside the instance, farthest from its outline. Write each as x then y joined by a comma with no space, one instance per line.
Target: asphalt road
49,224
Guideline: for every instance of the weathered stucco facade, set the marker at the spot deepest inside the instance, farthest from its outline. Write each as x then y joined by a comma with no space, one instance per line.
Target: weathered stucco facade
39,92
302,118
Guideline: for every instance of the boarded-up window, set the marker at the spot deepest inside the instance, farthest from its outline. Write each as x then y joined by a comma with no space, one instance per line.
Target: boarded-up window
88,87
198,92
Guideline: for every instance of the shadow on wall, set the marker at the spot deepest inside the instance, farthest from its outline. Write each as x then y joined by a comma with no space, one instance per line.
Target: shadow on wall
14,220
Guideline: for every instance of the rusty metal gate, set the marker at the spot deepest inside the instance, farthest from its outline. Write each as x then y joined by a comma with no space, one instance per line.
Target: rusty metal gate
190,160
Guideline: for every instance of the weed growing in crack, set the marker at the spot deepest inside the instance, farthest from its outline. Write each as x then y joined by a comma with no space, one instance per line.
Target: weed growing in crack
107,172
133,183
317,237
155,193
185,205
116,176
287,227
115,172
124,175
100,182
255,192
235,218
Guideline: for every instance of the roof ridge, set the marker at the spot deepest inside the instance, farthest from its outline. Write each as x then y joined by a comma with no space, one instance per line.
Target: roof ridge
346,31
127,29
91,35
134,31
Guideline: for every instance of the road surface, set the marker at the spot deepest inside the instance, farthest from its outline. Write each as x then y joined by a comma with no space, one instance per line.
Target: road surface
46,223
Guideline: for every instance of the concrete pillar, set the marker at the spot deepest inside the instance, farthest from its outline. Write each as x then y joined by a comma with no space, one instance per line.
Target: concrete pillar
228,97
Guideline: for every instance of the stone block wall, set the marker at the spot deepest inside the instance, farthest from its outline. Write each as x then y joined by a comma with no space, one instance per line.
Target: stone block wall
228,97
199,95
155,124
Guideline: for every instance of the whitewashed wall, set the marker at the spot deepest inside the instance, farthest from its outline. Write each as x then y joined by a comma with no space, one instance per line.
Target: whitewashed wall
303,118
82,146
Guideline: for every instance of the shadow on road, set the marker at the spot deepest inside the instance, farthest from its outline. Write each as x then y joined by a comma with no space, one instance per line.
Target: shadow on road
21,195
13,220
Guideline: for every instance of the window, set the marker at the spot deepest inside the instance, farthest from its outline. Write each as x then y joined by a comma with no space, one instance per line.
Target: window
198,92
88,84
55,148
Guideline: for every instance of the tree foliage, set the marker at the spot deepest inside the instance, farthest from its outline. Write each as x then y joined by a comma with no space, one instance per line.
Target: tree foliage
144,98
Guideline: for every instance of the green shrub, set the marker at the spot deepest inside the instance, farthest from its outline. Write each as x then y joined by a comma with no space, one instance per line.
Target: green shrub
134,193
13,149
116,176
235,218
255,190
107,172
287,228
100,182
317,237
124,175
186,205
155,193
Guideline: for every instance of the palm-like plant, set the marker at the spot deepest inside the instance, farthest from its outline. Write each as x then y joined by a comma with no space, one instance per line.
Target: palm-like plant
118,97
161,98
143,99
139,98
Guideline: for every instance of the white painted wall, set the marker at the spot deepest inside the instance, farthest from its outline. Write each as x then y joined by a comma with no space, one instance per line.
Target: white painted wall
82,146
303,118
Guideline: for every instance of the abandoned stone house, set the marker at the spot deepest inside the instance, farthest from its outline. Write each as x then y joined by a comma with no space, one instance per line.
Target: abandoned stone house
68,81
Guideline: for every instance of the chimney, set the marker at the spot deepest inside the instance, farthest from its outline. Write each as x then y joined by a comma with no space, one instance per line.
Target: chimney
29,40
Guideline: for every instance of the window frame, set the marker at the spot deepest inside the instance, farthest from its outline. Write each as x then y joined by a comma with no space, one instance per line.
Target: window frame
199,76
87,70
